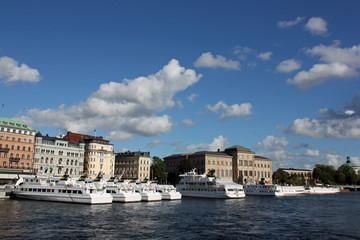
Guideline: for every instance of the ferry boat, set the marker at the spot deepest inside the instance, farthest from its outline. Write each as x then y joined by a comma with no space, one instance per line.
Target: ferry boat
293,190
122,191
321,189
63,189
168,192
147,190
263,190
208,186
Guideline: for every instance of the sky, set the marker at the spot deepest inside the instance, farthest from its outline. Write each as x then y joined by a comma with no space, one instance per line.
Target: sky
279,77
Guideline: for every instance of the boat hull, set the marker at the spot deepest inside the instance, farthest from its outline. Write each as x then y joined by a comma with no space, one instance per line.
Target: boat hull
91,198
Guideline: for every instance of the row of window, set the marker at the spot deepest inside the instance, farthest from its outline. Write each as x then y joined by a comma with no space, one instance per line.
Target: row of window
11,155
17,147
60,153
14,139
15,131
250,174
14,164
203,189
60,161
51,190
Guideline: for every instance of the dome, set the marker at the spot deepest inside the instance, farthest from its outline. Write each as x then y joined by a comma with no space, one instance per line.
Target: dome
349,164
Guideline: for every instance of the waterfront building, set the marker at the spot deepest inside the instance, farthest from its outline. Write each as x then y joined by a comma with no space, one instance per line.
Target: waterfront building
55,156
16,146
203,161
350,164
236,163
305,173
133,165
99,154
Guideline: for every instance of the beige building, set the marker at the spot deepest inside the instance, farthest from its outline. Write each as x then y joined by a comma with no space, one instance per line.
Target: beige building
55,156
133,165
16,146
236,163
307,174
99,154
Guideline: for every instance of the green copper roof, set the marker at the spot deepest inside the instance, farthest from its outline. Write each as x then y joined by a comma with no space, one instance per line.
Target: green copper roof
240,148
14,123
349,163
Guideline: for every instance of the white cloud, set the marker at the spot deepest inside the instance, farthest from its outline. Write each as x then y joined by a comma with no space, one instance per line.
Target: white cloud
123,109
320,128
154,143
285,24
308,153
12,73
219,142
321,73
317,26
288,66
338,63
265,56
272,143
234,110
208,60
334,160
187,123
192,97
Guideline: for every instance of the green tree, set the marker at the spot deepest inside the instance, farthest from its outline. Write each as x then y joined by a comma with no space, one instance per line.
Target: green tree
185,166
324,174
346,175
158,170
280,177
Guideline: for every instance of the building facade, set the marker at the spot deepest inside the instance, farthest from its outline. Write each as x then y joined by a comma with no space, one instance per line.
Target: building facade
133,165
236,163
305,173
16,146
55,156
99,154
203,161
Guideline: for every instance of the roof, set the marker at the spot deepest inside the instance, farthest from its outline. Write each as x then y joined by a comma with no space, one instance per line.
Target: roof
239,148
349,163
261,157
198,153
14,123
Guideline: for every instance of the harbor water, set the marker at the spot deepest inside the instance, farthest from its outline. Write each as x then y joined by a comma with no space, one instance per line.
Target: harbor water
331,216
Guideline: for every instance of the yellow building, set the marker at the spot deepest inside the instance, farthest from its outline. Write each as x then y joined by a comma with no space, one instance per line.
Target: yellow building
236,163
133,165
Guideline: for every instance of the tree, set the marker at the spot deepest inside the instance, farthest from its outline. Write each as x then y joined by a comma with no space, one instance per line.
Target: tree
280,177
346,175
158,170
324,174
186,165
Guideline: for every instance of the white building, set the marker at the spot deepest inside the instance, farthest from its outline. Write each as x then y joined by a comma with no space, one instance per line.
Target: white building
55,156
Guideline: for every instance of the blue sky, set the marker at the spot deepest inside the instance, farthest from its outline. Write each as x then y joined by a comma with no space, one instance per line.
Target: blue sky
279,77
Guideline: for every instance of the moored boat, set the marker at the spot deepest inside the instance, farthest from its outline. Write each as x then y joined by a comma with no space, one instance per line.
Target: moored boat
208,186
148,192
293,190
63,189
168,192
122,191
321,189
263,190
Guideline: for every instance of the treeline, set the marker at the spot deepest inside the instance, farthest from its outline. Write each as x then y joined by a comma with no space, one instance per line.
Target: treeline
325,174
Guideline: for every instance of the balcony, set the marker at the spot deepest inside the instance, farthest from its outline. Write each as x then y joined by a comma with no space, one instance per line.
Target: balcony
4,149
14,159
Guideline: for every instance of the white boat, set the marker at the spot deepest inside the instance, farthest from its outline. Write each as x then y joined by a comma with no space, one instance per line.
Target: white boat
168,192
65,189
122,191
208,186
147,190
321,190
263,190
293,190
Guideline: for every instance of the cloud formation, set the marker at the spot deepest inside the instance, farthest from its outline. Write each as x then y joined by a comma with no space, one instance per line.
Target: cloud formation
288,66
12,73
334,124
209,61
265,56
317,26
337,63
123,109
219,142
286,24
234,110
272,143
188,123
